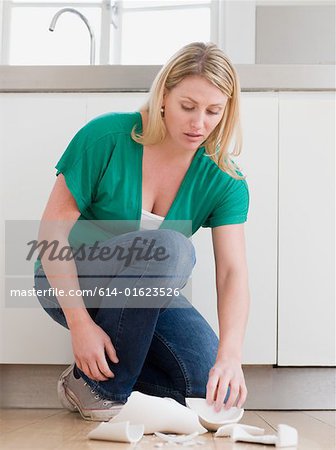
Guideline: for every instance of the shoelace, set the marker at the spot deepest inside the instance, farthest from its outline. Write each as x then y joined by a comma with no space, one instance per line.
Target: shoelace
99,397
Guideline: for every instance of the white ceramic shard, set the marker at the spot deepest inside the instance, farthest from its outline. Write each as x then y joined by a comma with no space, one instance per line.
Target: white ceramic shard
210,418
287,436
177,439
117,432
226,430
239,434
159,414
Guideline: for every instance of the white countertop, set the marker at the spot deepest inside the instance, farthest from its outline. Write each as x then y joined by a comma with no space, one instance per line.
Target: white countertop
120,78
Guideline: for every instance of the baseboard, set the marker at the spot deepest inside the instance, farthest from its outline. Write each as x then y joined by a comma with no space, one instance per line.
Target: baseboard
269,388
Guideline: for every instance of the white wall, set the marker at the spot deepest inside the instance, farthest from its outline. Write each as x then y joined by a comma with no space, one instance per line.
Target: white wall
295,33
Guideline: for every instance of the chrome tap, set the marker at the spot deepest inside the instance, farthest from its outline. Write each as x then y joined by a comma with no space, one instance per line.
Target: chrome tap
92,37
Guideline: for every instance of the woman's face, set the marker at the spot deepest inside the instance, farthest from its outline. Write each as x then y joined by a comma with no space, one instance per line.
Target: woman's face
193,109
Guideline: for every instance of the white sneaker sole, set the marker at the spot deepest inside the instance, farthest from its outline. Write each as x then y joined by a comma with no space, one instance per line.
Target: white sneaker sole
61,393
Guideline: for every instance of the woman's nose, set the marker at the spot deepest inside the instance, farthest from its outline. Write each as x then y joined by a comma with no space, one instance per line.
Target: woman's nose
197,122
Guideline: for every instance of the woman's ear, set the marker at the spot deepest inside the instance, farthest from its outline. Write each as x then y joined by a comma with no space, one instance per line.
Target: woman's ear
165,93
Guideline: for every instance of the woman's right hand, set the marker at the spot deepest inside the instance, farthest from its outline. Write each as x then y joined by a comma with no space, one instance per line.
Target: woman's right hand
89,343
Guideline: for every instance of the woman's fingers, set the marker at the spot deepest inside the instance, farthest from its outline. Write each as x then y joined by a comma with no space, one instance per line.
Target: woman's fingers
92,371
211,386
99,368
110,350
102,363
104,368
242,396
234,390
226,383
218,388
86,369
223,385
221,393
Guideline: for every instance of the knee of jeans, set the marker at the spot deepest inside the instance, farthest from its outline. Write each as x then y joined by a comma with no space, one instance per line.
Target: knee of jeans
180,246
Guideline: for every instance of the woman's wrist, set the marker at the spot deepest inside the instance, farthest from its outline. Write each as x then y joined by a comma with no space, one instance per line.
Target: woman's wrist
77,316
225,354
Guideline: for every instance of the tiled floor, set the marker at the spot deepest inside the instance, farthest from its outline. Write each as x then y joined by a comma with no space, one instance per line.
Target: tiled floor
60,429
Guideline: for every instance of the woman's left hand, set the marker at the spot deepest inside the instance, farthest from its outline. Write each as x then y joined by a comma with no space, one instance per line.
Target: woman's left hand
226,372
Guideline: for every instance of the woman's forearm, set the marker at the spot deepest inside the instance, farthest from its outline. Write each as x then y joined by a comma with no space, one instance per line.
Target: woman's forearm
62,275
233,300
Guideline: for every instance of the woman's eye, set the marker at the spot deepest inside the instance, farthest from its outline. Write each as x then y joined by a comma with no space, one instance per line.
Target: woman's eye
191,108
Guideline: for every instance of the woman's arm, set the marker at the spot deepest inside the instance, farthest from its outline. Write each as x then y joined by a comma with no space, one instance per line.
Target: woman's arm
59,216
89,341
233,296
233,301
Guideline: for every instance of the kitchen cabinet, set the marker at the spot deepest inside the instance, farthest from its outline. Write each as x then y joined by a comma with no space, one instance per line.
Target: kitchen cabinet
306,315
35,131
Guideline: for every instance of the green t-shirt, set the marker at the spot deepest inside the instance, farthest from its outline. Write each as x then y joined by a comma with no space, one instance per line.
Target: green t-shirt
102,167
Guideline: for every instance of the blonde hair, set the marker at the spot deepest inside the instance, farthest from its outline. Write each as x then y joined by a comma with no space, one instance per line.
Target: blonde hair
208,61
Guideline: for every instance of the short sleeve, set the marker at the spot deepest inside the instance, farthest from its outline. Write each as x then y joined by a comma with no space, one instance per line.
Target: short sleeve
84,162
233,207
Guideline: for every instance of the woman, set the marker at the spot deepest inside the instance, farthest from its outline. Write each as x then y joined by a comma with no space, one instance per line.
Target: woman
169,161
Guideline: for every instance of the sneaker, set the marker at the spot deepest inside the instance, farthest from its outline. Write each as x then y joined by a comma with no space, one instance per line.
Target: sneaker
76,395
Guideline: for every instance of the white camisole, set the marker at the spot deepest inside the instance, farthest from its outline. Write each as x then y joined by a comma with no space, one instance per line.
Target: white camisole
150,221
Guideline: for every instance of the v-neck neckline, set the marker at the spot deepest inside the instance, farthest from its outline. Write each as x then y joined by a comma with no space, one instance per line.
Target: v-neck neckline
196,156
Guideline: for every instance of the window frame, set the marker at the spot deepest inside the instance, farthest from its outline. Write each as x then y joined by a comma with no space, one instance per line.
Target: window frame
110,38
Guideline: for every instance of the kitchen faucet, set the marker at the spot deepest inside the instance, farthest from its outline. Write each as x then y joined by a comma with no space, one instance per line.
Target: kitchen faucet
92,38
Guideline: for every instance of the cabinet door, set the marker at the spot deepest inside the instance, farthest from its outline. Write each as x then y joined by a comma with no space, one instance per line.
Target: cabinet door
307,229
258,161
35,130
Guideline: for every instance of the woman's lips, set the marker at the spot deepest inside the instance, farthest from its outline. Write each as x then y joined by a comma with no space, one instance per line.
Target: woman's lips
193,137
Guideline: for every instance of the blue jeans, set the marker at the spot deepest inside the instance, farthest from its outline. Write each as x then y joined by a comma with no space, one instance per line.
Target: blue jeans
165,348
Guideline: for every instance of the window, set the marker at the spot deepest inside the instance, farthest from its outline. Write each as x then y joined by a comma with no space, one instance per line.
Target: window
150,32
28,41
126,32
